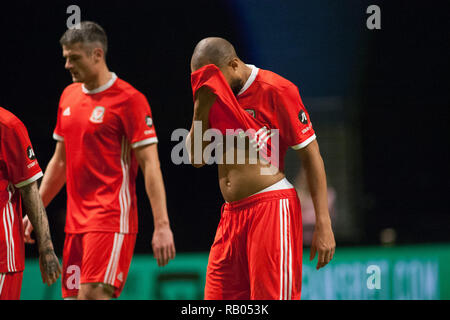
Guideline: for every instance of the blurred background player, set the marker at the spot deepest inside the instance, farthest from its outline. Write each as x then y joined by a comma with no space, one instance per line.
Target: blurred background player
104,131
19,171
257,251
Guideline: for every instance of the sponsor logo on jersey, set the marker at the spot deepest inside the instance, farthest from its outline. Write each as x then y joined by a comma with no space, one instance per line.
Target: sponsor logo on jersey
149,121
120,277
30,153
97,115
251,112
306,130
31,165
302,117
66,112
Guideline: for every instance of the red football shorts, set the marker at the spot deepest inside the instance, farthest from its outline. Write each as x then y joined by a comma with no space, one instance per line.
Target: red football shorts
257,251
96,257
10,285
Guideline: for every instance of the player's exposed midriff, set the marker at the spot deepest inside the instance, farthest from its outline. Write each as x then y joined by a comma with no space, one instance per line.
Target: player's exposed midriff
239,181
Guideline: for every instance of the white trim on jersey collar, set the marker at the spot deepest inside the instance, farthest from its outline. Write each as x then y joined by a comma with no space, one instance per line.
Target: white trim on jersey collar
104,87
250,79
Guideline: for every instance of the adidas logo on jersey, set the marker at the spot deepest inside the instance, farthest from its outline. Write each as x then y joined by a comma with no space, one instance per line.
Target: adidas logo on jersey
66,112
120,277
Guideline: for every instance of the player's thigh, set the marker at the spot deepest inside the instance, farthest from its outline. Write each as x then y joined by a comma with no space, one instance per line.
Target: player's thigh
10,285
72,263
95,291
273,251
106,259
226,273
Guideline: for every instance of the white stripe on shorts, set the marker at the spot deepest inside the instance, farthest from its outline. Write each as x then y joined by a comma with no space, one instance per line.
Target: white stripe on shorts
285,252
2,280
111,270
8,223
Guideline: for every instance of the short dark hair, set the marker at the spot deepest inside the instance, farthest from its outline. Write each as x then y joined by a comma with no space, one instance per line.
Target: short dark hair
212,50
86,32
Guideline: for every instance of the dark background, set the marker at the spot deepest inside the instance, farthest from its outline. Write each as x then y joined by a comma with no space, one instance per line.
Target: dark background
393,84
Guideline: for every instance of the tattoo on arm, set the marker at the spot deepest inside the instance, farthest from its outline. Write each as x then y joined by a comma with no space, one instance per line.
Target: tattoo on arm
34,209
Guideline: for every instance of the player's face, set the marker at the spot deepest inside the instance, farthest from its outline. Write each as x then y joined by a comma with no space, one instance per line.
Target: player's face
233,76
80,62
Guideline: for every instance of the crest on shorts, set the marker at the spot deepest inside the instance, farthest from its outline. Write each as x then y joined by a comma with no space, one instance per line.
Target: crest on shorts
97,115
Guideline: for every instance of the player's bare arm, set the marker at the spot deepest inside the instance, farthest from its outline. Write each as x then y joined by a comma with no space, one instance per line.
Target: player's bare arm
162,242
204,100
323,239
52,182
34,209
55,174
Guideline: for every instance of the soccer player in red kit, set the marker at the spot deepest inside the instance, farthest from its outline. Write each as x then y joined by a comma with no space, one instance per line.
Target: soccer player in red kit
19,171
104,131
257,250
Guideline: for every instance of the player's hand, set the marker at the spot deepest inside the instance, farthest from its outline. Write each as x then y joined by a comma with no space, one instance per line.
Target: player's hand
28,228
163,245
50,267
323,243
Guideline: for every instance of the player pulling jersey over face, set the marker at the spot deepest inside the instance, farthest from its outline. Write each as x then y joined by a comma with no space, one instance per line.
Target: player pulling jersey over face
257,250
266,102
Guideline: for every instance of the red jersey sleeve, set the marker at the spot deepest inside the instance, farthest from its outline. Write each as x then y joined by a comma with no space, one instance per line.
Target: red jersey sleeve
21,163
293,119
57,133
137,121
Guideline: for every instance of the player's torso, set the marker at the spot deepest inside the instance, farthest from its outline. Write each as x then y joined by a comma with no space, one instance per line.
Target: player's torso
100,165
9,199
11,231
238,181
91,123
7,189
258,101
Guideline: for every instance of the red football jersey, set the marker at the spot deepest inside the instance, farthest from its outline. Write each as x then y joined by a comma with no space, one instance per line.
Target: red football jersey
267,100
100,128
18,168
